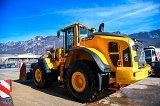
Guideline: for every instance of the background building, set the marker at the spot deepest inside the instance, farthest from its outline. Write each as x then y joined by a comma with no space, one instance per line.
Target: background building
16,59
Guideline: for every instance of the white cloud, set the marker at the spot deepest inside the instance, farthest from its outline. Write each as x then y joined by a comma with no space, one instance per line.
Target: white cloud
122,11
146,26
145,10
123,15
116,17
33,16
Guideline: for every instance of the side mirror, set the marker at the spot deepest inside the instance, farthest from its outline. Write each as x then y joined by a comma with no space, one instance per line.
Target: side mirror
93,30
58,34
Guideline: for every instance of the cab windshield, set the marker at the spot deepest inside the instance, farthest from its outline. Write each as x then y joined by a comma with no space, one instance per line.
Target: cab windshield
84,32
148,53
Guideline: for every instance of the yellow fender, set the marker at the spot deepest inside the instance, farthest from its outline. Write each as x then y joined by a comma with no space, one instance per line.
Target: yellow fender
98,57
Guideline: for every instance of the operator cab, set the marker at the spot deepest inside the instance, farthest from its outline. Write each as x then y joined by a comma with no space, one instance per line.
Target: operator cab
73,34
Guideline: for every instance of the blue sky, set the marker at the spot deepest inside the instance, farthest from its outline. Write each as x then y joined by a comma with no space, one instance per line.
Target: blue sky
22,20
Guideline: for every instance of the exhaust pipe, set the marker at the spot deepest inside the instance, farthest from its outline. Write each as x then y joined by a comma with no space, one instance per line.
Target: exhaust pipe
101,27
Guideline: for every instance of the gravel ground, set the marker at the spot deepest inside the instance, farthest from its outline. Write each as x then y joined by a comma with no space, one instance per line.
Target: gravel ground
24,93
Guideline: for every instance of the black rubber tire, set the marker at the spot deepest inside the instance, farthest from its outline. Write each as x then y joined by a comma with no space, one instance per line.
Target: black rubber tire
32,65
29,75
46,79
89,92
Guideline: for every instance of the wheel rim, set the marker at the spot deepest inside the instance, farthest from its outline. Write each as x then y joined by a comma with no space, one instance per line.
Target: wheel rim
78,81
38,75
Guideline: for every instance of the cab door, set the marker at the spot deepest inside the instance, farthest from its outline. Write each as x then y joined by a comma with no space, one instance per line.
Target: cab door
69,41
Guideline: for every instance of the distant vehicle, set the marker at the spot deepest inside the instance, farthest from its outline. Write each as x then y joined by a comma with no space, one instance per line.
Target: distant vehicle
2,66
152,54
11,65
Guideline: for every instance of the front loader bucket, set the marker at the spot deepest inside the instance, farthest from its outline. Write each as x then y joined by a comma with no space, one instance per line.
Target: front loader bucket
25,72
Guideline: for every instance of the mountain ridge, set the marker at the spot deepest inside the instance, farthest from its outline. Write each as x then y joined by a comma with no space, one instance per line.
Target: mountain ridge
36,46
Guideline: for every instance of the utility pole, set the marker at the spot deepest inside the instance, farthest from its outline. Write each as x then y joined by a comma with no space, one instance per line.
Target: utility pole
44,47
33,48
54,44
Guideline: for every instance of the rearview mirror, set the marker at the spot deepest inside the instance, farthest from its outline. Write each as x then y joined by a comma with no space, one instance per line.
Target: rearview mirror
58,34
93,30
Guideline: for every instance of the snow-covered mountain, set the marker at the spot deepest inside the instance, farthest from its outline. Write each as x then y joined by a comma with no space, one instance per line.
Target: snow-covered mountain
148,38
39,44
35,46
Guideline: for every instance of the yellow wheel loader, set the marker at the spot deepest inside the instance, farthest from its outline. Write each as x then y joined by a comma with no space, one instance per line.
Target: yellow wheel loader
89,62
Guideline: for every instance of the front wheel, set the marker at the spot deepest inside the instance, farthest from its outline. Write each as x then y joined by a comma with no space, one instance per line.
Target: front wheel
81,81
40,78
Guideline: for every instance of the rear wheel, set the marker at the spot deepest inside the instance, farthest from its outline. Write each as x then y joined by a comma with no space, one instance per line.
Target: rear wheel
40,77
80,81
